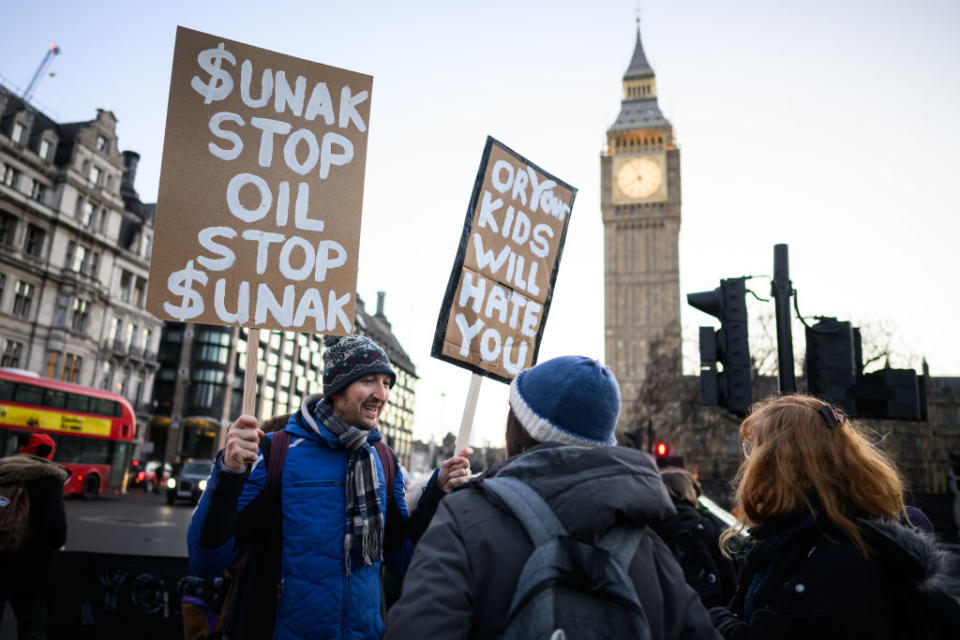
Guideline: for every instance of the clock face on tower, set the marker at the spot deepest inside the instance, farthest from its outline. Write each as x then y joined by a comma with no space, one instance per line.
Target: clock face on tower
639,178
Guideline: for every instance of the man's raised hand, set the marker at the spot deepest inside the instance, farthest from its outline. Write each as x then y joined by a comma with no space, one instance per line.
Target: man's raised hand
455,471
243,442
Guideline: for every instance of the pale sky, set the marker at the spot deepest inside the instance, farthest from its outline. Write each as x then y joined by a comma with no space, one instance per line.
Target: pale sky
829,126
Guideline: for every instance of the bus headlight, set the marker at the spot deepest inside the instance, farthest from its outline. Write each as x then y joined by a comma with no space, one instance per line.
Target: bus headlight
171,483
203,485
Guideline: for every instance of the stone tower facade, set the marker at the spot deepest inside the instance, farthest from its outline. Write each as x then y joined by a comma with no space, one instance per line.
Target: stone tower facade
640,201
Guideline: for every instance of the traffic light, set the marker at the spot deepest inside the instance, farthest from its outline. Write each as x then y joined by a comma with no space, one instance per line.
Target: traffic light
729,386
834,372
663,457
833,362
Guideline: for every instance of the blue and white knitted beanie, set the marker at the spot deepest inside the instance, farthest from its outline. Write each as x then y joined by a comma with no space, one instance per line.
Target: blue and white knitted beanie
349,358
570,399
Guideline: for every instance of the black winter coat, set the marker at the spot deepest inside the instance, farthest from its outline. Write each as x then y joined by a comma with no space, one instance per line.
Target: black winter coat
31,571
465,568
803,579
693,535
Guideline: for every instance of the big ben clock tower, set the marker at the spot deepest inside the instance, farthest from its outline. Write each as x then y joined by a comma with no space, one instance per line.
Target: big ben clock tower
640,200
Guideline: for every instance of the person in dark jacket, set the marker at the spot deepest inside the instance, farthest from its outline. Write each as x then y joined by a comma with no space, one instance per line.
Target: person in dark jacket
693,535
828,556
27,576
562,417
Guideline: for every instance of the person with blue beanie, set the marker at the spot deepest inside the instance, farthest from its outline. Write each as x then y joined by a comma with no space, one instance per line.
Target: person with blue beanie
560,439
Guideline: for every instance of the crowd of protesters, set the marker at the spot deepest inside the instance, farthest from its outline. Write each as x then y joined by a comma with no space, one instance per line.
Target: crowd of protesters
824,545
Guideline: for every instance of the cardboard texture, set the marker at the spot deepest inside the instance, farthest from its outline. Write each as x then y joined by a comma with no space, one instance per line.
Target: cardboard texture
261,187
496,304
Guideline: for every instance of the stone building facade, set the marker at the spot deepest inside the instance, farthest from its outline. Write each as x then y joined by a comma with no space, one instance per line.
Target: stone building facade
74,255
640,202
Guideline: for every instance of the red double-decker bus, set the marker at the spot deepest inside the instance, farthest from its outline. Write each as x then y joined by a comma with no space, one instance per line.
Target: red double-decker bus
93,429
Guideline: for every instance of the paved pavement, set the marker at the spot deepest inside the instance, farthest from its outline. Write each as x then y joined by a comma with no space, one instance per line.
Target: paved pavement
136,523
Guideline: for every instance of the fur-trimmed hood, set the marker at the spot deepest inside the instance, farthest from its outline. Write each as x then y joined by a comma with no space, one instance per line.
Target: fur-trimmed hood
906,552
24,468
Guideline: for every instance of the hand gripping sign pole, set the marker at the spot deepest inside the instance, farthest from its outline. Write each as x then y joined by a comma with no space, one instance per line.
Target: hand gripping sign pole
495,308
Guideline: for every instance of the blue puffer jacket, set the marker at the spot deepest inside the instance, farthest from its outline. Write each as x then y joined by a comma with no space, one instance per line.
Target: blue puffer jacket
319,599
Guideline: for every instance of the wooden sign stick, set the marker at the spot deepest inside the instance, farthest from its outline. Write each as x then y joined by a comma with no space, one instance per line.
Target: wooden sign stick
250,373
470,408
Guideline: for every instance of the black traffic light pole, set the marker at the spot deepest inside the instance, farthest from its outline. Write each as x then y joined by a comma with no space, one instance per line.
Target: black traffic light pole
782,290
731,387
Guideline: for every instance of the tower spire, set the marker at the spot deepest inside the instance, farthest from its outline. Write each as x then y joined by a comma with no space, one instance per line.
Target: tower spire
639,67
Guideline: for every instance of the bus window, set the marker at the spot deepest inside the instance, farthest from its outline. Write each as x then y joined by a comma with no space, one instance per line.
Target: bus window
55,399
6,390
28,394
98,451
104,407
76,402
70,450
9,443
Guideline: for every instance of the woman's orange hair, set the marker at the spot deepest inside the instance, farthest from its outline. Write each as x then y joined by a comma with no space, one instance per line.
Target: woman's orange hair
798,461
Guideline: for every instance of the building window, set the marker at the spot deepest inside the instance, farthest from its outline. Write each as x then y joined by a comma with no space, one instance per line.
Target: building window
106,375
126,279
139,299
11,354
78,258
131,332
71,367
8,226
11,177
81,310
103,144
94,264
206,389
18,131
39,191
96,175
3,284
44,149
212,346
87,212
23,299
35,236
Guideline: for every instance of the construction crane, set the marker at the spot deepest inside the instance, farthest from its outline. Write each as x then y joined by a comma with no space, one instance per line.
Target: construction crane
54,50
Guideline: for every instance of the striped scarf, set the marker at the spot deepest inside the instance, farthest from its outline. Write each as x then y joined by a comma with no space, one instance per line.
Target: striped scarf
363,543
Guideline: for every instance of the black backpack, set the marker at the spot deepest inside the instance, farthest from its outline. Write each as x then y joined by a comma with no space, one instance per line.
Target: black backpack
250,608
568,589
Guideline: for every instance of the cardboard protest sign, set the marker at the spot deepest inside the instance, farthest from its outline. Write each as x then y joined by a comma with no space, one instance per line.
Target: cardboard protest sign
499,293
258,213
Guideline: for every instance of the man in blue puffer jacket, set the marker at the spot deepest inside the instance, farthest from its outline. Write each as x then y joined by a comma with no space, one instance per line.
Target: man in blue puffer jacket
337,521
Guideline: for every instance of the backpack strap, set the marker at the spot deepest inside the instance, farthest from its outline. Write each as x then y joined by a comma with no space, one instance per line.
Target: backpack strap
389,466
274,460
527,506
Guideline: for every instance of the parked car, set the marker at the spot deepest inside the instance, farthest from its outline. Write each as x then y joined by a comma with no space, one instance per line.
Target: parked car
190,482
150,475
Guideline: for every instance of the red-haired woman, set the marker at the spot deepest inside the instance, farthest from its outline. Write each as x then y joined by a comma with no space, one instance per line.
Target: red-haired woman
829,558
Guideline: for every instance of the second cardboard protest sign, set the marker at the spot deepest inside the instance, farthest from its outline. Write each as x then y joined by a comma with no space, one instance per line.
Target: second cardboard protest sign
258,213
499,293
